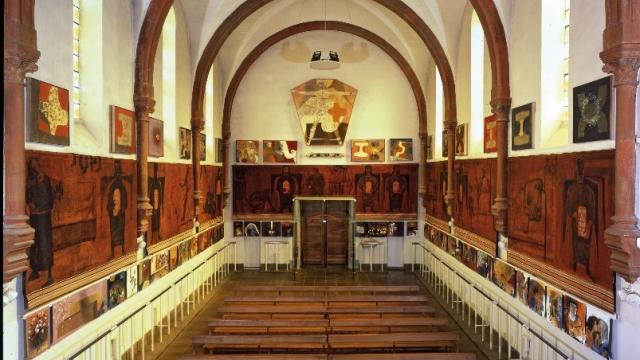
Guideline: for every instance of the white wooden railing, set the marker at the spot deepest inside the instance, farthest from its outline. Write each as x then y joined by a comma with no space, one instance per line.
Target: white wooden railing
479,304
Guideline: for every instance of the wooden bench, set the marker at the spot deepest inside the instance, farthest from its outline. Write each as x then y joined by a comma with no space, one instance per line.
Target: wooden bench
257,357
404,356
259,342
267,326
324,289
379,311
446,341
386,325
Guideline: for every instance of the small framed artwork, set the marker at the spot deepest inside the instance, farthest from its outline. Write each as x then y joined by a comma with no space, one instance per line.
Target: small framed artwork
252,228
247,151
132,281
367,150
490,134
219,150
116,289
554,307
48,113
156,137
395,229
287,229
591,104
429,147
123,130
144,274
445,144
270,228
521,119
38,332
484,264
574,318
461,139
401,149
412,228
78,309
203,147
504,276
598,331
238,229
279,151
185,143
536,295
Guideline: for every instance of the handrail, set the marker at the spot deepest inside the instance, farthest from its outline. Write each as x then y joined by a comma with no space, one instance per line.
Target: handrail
505,310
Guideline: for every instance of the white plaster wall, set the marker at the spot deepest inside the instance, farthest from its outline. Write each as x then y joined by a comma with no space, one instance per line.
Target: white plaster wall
384,107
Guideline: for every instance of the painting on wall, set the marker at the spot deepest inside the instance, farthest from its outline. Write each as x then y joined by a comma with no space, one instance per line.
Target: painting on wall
219,150
247,151
144,274
367,150
159,265
78,309
591,103
287,229
279,151
252,228
504,276
490,134
173,258
324,107
536,296
203,147
485,263
238,229
184,252
574,317
184,141
156,137
469,256
395,228
37,332
132,280
554,307
462,137
522,284
48,113
270,228
452,245
193,247
429,147
123,130
401,149
116,289
598,331
412,228
445,144
521,121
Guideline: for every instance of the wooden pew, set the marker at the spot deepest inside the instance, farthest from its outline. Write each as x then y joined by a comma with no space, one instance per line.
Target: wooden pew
387,325
404,356
254,343
324,289
446,341
267,326
379,311
258,357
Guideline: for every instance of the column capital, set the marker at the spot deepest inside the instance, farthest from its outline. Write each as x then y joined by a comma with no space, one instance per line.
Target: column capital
623,62
144,105
197,124
18,63
501,106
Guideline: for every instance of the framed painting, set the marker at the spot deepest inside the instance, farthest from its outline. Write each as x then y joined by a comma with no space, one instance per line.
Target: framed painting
78,309
144,274
37,329
203,147
396,229
252,228
48,113
469,255
522,283
279,151
445,144
536,294
132,280
591,104
484,264
521,121
185,143
323,107
554,307
574,317
462,139
287,229
270,228
238,229
123,130
490,134
173,258
429,147
156,137
367,150
401,149
247,151
116,289
504,276
219,150
598,331
412,228
159,265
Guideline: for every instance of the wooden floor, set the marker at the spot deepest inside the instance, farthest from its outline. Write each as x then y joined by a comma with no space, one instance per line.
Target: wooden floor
179,343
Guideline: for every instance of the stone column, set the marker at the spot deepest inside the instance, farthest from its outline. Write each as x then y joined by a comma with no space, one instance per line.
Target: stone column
501,107
422,185
144,103
226,167
196,126
20,57
450,196
621,57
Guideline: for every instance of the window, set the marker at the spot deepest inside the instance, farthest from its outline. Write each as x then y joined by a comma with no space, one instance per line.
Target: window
476,118
565,77
208,114
76,60
169,79
437,138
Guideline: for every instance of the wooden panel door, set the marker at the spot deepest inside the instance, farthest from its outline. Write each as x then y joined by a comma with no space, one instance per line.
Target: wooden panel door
336,232
313,242
324,232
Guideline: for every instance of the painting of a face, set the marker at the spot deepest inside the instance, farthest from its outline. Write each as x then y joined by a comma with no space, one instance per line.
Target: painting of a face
116,202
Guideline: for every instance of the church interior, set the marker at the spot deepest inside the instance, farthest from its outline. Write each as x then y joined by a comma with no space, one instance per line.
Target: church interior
321,179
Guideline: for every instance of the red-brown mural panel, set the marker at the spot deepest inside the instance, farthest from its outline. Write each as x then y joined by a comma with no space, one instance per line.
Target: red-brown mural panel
83,210
474,190
560,206
211,184
436,187
378,189
171,198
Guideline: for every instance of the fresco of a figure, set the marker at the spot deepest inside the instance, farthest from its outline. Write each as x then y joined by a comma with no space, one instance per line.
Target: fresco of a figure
368,186
286,185
117,202
396,188
156,195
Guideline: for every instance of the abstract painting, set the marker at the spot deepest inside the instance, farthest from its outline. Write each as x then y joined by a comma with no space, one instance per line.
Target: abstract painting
48,116
78,309
123,130
116,289
401,149
203,147
574,317
469,256
377,229
522,284
484,266
452,245
324,109
521,120
598,331
591,103
132,280
156,137
247,151
367,150
173,258
490,134
287,229
429,147
184,252
184,141
270,228
193,247
395,229
412,228
238,229
461,139
219,150
445,144
159,265
554,307
504,276
279,151
38,332
144,274
536,296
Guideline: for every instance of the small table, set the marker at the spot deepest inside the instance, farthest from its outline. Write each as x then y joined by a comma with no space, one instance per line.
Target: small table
370,246
275,244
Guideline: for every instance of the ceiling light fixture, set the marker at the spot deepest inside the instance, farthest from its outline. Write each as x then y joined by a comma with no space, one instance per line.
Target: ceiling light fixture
330,62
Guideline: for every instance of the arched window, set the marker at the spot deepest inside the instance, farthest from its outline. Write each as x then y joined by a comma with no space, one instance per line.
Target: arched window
439,119
76,61
208,115
476,118
169,80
